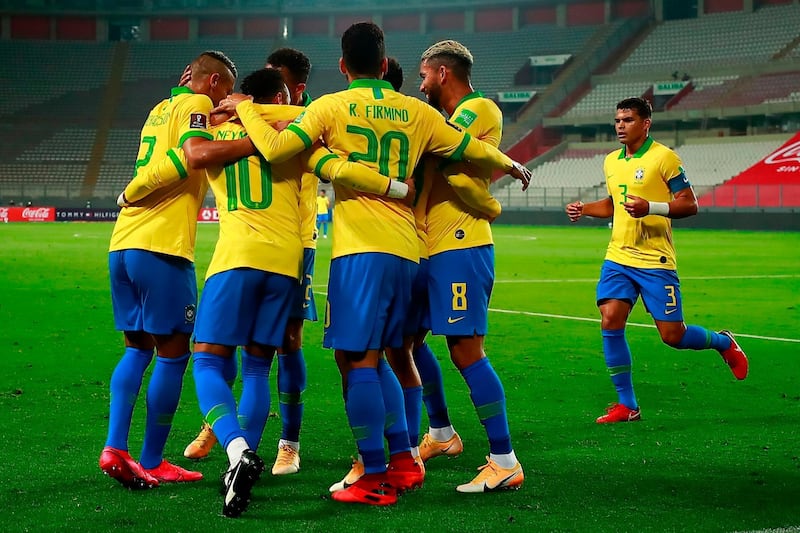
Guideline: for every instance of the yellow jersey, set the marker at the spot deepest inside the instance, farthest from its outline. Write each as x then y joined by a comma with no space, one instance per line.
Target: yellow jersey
323,205
654,173
453,224
259,212
165,221
385,130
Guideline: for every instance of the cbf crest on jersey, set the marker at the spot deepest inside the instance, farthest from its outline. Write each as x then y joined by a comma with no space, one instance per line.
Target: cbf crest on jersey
198,121
639,175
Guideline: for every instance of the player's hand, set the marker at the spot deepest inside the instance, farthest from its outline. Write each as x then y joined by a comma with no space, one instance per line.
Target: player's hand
575,211
121,200
522,173
186,77
636,207
228,104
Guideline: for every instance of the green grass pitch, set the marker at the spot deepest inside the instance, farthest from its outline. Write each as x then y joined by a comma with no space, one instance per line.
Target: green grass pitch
711,453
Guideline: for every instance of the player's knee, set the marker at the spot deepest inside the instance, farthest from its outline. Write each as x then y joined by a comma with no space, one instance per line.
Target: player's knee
672,337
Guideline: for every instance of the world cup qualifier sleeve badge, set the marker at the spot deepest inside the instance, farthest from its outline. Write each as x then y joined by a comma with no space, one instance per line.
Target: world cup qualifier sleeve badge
189,312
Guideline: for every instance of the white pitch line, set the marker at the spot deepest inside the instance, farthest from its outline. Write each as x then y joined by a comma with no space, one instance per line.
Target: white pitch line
597,320
635,324
594,280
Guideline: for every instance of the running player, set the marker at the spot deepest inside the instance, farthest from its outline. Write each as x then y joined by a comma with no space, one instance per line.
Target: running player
647,188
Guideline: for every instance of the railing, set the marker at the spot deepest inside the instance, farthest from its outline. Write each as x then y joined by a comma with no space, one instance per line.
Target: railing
722,197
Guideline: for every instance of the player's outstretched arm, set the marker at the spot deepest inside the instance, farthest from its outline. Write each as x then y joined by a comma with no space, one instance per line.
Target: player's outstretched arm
204,153
450,142
275,146
169,170
328,166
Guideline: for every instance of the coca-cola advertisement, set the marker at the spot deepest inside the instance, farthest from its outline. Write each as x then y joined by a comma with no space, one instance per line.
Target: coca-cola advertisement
27,214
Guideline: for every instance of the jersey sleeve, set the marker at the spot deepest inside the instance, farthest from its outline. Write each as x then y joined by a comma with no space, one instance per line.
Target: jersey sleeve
328,166
670,166
472,192
169,170
193,118
275,146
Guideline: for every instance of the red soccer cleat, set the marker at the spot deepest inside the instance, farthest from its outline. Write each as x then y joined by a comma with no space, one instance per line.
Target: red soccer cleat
404,473
619,413
167,472
734,357
119,465
370,489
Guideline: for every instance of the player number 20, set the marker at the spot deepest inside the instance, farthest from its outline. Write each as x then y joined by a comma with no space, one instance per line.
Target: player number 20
379,150
459,296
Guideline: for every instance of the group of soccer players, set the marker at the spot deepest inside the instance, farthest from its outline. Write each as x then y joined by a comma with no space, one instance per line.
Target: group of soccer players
257,289
412,253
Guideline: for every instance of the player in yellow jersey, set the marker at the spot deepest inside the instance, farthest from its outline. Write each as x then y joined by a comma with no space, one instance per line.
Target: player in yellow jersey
375,248
647,188
461,273
323,212
153,286
294,66
250,286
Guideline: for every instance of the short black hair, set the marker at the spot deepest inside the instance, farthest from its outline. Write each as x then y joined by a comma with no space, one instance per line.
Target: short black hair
263,84
295,61
640,105
363,49
394,73
222,58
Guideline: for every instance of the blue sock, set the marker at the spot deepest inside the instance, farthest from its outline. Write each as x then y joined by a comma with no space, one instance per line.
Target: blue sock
489,400
413,403
366,415
215,397
432,386
126,380
291,386
255,401
619,361
163,395
697,338
230,369
395,429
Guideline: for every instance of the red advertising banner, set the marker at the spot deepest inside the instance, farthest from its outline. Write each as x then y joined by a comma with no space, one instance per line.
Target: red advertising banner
772,182
781,167
208,214
27,214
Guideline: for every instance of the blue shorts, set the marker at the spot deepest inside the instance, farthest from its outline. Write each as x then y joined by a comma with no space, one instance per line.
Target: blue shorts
460,285
368,298
244,305
659,288
321,219
303,305
152,292
418,317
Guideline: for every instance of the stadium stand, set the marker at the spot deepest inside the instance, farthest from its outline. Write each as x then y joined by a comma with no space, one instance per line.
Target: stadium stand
690,45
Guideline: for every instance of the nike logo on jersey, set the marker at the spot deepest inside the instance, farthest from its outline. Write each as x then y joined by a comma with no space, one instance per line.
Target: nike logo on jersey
451,320
670,311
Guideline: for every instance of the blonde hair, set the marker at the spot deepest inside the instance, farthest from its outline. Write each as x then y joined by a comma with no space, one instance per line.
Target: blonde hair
453,50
